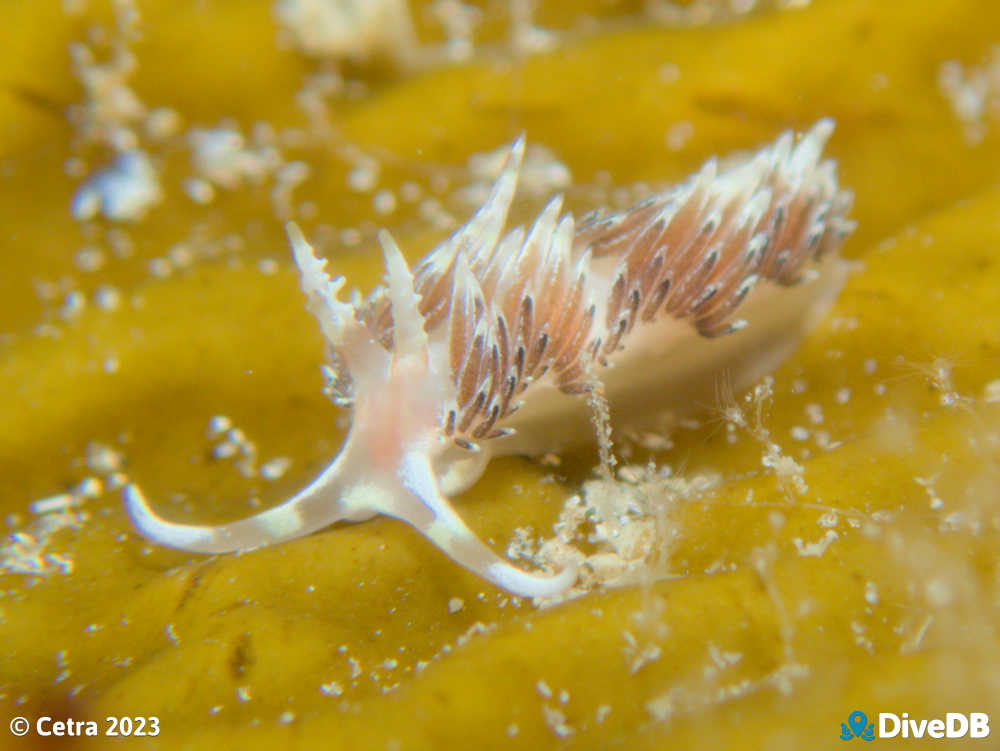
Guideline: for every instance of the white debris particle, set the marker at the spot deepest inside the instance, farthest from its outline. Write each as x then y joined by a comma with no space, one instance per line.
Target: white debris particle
123,192
275,468
927,483
107,298
198,190
637,658
364,177
90,487
843,395
799,433
171,633
914,642
410,191
815,549
350,29
603,710
973,93
455,604
355,667
162,123
288,177
267,266
390,663
60,502
991,391
938,592
224,450
89,259
476,629
73,305
556,721
828,520
815,413
180,255
564,696
661,707
243,693
679,134
512,730
871,593
459,21
222,156
721,659
350,236
286,717
218,424
161,268
525,37
785,467
384,201
24,551
870,365
331,688
543,689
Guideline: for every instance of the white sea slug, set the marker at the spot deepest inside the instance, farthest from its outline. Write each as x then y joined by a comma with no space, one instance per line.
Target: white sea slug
486,346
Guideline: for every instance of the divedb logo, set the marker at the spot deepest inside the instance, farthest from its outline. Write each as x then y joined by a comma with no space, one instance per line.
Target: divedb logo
952,725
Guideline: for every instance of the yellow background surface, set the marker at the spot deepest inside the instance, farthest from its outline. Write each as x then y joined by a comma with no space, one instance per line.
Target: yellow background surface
221,647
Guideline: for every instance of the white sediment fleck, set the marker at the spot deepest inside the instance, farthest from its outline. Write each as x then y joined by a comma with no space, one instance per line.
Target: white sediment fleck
871,593
218,424
25,551
556,721
815,549
384,201
331,688
198,190
89,258
973,92
107,298
349,29
123,192
364,177
991,391
679,134
799,433
222,157
275,468
60,502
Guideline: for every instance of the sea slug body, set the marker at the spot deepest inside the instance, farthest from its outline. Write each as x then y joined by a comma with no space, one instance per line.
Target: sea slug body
486,345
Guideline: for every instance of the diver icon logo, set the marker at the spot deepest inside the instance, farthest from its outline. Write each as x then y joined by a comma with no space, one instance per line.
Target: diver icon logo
857,727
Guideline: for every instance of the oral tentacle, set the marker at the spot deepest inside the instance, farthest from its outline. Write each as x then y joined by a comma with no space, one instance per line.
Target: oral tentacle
437,520
316,506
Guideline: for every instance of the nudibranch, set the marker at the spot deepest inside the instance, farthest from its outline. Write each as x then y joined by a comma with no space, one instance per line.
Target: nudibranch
485,347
